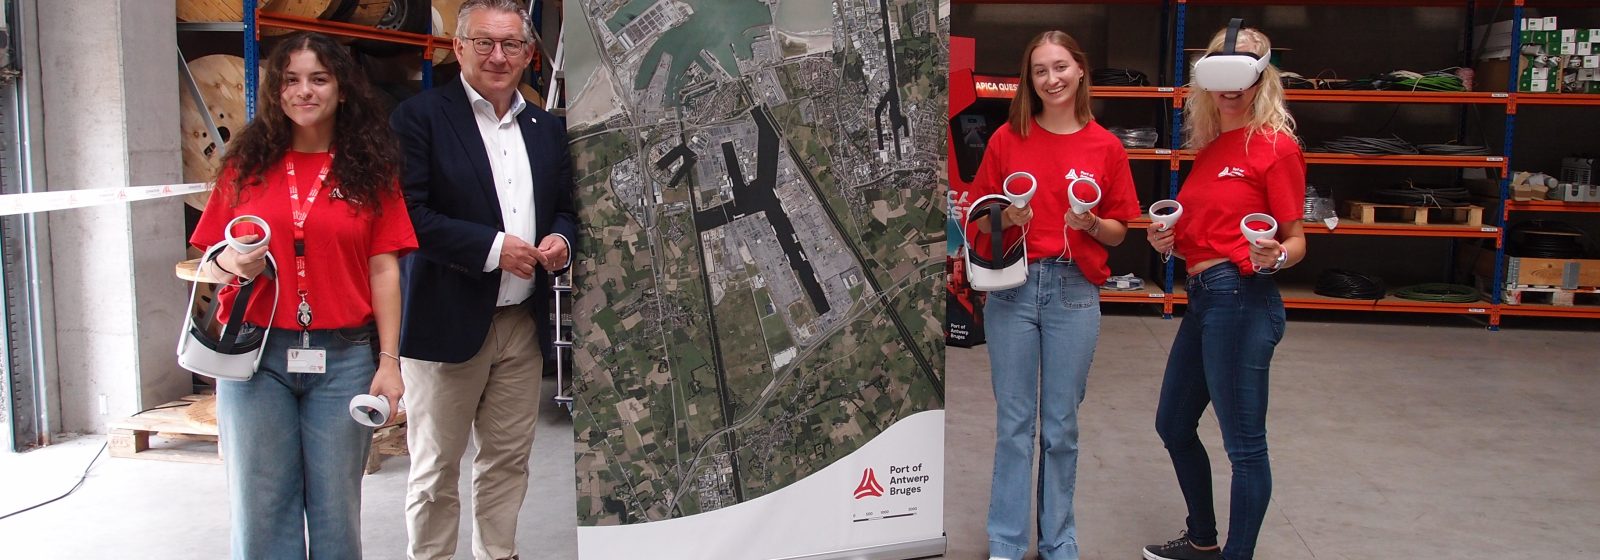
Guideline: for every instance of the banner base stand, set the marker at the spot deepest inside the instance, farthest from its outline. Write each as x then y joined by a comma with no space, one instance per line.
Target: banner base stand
898,551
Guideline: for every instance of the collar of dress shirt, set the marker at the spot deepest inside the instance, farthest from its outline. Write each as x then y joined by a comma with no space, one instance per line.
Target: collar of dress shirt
481,104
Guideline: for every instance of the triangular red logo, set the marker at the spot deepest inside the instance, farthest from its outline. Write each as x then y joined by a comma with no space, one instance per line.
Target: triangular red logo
869,485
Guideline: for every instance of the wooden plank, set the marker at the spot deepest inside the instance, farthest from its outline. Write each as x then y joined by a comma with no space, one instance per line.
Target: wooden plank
1376,213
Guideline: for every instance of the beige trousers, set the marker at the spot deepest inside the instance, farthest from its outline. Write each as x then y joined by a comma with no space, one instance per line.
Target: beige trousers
495,398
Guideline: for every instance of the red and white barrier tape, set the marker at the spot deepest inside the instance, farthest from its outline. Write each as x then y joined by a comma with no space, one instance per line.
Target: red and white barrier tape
29,203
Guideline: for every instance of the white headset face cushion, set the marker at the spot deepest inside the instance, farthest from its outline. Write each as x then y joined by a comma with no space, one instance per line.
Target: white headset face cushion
1228,72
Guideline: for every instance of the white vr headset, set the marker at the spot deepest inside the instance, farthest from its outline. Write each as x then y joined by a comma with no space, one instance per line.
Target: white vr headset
1230,69
1002,269
236,352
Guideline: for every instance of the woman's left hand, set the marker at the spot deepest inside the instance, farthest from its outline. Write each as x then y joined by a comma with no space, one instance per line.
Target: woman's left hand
388,384
1265,255
1081,222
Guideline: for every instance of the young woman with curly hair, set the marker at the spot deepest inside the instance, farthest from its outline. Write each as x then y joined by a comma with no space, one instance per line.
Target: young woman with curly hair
319,165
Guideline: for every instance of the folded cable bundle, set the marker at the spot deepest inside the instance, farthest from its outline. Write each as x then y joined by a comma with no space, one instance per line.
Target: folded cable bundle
1452,150
1144,137
1411,193
1118,77
1345,284
1358,145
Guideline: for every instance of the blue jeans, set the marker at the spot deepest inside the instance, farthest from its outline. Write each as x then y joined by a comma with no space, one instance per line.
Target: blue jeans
1221,357
1041,340
293,455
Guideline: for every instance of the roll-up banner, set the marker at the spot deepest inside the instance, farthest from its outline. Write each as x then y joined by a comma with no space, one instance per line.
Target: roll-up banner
760,296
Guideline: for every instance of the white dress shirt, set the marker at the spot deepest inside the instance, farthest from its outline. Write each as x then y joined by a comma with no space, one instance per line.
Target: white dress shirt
513,183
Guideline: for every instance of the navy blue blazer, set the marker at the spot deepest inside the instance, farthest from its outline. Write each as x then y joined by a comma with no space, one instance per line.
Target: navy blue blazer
449,189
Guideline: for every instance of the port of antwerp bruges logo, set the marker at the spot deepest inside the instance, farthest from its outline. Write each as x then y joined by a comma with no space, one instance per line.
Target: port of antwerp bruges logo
869,486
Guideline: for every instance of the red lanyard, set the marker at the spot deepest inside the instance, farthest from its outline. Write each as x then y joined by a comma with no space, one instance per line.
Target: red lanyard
302,208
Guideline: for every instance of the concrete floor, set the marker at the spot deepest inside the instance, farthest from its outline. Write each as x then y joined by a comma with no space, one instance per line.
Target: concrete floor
1429,438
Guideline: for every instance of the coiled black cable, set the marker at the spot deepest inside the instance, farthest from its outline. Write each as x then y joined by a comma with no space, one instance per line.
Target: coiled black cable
1411,193
1452,150
1393,145
1345,284
1545,239
1118,77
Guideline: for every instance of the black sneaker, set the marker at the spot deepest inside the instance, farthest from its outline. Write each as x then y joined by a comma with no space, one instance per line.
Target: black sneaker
1180,549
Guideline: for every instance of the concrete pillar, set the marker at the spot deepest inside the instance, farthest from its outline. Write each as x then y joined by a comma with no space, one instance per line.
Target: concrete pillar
110,97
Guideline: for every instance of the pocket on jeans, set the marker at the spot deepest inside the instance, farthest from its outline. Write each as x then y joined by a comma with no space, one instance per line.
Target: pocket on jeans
1008,294
1078,293
1227,285
358,336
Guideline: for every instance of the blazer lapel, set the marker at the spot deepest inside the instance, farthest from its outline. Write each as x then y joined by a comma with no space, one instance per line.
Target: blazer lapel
458,111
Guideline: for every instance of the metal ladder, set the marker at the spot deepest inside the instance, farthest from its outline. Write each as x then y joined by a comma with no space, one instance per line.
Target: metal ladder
561,284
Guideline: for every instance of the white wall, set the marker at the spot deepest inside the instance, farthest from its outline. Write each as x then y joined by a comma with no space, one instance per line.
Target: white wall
110,103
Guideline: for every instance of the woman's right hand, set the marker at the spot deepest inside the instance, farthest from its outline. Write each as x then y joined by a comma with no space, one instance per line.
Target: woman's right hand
1161,241
243,265
1017,215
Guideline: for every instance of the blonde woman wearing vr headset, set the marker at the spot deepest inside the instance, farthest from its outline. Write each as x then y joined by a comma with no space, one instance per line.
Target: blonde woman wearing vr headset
1042,334
318,165
1249,161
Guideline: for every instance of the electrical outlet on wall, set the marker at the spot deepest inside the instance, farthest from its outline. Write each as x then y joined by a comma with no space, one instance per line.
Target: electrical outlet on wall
104,404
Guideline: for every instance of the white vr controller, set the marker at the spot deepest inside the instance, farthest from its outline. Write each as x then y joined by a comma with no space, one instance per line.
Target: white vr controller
1165,213
370,410
1020,199
1080,206
1254,236
243,247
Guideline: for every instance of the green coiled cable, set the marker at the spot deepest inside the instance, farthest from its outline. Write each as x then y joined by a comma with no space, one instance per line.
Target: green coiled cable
1439,293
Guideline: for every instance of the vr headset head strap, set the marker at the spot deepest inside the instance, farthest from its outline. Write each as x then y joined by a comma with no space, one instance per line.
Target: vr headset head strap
1231,41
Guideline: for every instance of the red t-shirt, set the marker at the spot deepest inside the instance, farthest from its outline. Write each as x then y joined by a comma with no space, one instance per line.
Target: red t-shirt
1054,160
1232,178
339,240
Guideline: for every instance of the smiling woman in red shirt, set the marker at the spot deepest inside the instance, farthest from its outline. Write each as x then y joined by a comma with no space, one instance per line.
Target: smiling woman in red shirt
1249,162
1042,334
319,165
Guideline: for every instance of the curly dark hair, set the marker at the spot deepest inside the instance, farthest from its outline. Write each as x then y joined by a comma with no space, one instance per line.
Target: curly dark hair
367,163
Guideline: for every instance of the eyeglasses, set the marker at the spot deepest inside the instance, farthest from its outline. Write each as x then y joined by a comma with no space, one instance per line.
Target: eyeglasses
485,45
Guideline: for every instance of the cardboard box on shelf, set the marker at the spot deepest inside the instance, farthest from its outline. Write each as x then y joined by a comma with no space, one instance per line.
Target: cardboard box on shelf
1533,24
1550,23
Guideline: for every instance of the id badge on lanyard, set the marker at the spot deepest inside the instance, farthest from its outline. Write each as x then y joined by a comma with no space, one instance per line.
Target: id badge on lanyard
304,358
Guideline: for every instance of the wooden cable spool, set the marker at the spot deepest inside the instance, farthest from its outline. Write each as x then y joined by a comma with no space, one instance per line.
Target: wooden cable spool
220,78
233,11
444,26
202,413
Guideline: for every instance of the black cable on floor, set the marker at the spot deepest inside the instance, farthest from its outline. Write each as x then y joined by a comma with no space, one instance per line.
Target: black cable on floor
69,491
1345,284
86,470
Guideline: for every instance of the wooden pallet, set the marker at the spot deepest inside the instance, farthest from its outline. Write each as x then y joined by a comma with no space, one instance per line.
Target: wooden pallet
1376,213
1550,295
130,437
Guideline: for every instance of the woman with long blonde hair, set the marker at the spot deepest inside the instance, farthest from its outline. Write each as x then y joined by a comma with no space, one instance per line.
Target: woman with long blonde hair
1248,162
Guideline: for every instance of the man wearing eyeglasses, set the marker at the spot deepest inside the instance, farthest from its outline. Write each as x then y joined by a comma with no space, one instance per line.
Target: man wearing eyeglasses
488,182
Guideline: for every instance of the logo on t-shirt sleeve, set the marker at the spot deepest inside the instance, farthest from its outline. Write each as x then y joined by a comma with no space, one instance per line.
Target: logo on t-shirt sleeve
1231,172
